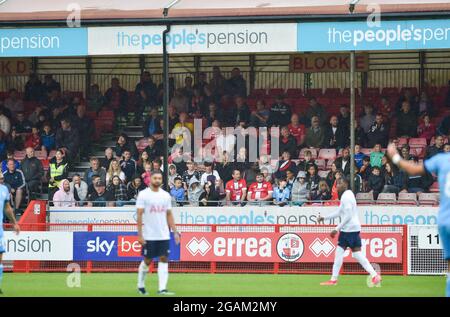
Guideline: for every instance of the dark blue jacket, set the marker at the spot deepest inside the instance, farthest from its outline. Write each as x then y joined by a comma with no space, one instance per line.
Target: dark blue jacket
15,179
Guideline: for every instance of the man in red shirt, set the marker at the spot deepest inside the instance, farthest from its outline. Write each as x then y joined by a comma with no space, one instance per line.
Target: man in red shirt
260,192
236,189
297,130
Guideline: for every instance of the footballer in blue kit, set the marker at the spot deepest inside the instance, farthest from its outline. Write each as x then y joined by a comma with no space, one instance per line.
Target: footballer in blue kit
7,209
439,164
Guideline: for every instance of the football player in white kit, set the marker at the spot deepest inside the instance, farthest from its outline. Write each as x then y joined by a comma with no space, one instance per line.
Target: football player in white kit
349,234
154,222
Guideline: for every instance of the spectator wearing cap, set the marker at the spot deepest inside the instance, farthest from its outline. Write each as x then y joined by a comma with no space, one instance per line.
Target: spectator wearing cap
100,197
300,192
33,170
16,181
315,135
280,112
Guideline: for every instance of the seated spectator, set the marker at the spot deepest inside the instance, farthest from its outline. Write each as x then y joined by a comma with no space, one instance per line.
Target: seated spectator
280,112
13,103
446,147
86,129
241,112
406,121
143,159
288,142
378,132
134,187
321,193
394,180
297,130
334,136
359,156
22,125
367,120
177,191
437,148
300,192
209,174
290,178
236,84
183,130
375,182
194,190
9,156
33,88
64,196
32,170
58,170
236,189
424,104
209,196
15,140
105,161
426,129
343,162
260,116
360,135
33,140
312,178
338,175
94,169
100,197
67,139
50,84
128,165
409,98
79,188
125,144
331,175
385,109
156,165
116,98
376,156
16,181
5,123
152,149
147,173
118,190
308,160
405,153
217,82
260,192
365,171
48,138
180,102
95,100
285,164
344,118
281,194
316,110
172,175
190,172
213,114
315,135
114,170
152,123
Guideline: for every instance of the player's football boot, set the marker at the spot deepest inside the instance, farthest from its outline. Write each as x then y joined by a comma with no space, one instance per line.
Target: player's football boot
376,280
165,292
142,291
329,283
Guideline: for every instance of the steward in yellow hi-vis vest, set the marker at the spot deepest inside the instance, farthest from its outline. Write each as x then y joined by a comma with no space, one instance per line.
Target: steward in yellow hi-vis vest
58,171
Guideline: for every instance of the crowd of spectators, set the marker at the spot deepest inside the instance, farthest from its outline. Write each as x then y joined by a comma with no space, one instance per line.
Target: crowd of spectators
59,124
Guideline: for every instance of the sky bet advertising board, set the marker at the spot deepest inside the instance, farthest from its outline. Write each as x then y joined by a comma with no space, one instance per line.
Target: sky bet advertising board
112,246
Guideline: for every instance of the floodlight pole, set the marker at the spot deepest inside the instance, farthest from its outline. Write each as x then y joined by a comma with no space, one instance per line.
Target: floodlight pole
166,96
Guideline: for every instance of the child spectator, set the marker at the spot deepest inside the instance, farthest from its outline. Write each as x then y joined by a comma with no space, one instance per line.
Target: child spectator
281,194
376,182
177,191
365,171
300,192
322,193
307,162
194,191
376,156
172,175
359,156
33,140
48,138
147,173
312,178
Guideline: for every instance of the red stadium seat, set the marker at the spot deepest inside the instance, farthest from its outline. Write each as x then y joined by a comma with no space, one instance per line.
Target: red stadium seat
402,141
313,152
294,92
276,91
389,91
367,151
321,164
386,198
327,154
323,174
106,114
260,93
430,199
365,198
329,163
346,92
418,151
332,92
325,101
372,92
19,155
315,92
417,142
41,155
407,198
413,90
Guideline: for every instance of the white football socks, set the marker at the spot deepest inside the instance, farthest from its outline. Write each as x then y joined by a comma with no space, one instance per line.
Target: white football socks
365,263
338,260
163,275
142,273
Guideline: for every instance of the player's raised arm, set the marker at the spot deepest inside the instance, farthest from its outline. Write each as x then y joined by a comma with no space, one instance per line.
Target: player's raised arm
10,214
409,167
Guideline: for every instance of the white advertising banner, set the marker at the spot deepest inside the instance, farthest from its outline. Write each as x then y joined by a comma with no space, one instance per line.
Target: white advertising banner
38,245
209,38
369,215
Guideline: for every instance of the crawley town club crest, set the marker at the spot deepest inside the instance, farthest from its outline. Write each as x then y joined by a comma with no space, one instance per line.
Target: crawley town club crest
290,247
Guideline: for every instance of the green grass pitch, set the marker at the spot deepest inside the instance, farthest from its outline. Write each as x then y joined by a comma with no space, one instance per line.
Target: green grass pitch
232,285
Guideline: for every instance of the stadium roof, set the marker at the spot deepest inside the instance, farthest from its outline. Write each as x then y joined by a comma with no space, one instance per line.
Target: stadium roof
23,11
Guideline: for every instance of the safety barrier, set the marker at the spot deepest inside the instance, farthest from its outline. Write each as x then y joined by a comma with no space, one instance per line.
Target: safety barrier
291,249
